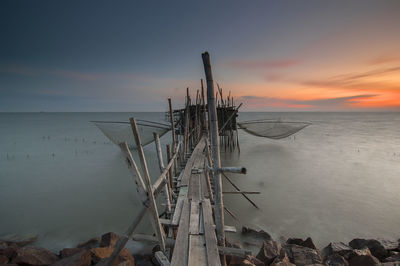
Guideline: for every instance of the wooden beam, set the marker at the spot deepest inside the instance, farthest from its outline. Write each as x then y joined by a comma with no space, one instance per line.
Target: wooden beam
162,168
161,259
152,203
237,252
218,198
241,192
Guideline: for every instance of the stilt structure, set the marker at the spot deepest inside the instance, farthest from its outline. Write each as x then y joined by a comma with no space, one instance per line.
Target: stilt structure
192,231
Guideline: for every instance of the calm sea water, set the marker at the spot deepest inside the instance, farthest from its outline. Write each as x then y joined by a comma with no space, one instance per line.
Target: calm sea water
61,179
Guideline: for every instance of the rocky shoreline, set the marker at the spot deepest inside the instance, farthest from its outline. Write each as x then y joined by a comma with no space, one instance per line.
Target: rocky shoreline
285,252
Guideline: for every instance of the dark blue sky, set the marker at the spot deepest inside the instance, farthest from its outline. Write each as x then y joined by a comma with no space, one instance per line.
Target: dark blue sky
132,55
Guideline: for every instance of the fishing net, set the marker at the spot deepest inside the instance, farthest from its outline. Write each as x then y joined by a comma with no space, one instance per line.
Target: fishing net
272,129
119,132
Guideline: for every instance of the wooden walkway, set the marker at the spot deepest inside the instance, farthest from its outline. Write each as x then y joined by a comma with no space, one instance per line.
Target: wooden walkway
196,242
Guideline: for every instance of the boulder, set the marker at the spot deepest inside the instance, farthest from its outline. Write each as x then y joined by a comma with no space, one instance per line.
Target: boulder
248,261
258,234
109,240
34,256
362,257
397,263
300,255
9,251
91,243
83,258
389,244
395,256
67,252
143,260
376,248
282,260
3,259
308,243
339,248
269,251
336,260
124,257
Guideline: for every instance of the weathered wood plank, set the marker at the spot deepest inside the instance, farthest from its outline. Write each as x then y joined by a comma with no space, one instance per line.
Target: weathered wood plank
188,168
180,255
179,204
197,251
234,251
194,217
161,259
209,233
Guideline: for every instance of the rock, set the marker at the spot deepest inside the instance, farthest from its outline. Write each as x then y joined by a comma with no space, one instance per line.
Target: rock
9,251
248,261
3,259
282,260
393,257
83,258
339,248
109,240
67,252
91,243
302,255
269,251
143,260
258,234
124,257
363,257
308,243
376,248
336,260
34,256
20,243
396,263
389,244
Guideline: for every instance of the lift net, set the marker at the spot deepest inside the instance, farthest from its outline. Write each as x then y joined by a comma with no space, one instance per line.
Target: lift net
120,132
272,129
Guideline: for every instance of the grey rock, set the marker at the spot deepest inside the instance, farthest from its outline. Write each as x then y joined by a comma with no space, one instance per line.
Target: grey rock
339,248
269,251
300,255
336,260
376,248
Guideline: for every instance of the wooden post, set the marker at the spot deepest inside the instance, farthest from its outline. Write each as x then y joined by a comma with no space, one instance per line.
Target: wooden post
219,204
167,192
170,175
204,120
171,112
150,193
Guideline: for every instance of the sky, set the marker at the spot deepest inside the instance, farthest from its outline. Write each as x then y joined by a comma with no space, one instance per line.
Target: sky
132,55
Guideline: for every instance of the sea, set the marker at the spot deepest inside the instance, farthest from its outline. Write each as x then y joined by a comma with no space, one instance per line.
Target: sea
63,181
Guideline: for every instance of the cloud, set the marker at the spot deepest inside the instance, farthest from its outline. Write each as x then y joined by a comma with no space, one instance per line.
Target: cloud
337,103
262,64
383,59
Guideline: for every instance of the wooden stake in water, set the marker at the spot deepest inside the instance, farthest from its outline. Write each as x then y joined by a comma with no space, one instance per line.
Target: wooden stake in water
219,204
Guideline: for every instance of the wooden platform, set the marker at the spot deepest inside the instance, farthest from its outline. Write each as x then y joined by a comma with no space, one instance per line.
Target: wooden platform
196,242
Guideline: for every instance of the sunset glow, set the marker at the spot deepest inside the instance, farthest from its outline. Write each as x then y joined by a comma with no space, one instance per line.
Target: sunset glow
305,59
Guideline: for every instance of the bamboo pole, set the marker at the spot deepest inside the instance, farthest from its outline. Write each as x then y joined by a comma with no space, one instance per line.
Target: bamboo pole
154,211
238,189
218,198
167,192
123,239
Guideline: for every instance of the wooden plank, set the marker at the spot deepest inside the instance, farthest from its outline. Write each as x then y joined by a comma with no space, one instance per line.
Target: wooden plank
209,234
230,229
197,251
161,259
234,251
179,205
149,238
188,168
201,221
194,217
180,255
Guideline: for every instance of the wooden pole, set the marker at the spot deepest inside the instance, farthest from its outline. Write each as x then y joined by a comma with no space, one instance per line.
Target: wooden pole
219,204
172,124
169,157
123,239
167,192
154,211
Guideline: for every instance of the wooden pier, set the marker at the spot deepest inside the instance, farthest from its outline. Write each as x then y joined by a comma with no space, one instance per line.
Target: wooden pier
191,229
